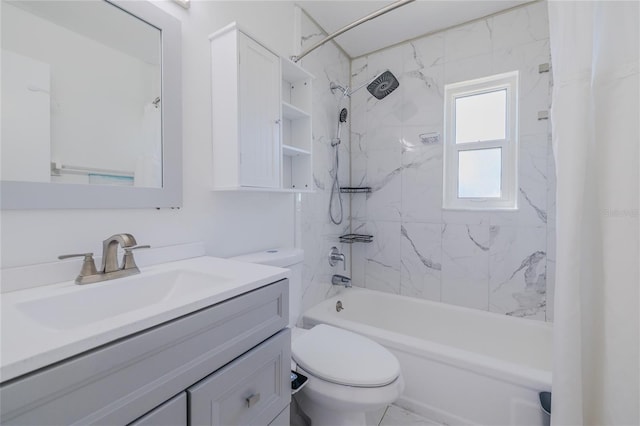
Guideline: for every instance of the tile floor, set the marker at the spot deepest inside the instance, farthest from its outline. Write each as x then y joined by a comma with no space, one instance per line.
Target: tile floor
393,415
390,415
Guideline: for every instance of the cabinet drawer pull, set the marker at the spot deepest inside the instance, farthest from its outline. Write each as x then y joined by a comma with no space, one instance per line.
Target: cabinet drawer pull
253,399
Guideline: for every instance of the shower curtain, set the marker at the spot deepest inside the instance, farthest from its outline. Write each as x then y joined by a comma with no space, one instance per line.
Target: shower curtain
595,115
148,172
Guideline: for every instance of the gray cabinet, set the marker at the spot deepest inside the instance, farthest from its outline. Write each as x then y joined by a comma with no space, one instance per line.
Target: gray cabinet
283,419
121,382
252,390
171,413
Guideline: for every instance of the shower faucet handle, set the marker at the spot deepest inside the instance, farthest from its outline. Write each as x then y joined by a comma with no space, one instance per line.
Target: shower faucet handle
335,256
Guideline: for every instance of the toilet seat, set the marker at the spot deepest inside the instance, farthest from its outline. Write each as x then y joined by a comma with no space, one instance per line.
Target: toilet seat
345,358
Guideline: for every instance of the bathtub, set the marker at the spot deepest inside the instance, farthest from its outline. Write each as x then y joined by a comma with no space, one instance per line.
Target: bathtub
461,366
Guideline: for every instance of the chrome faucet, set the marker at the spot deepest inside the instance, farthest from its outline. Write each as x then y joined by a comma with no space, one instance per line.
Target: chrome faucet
335,256
110,250
110,268
341,280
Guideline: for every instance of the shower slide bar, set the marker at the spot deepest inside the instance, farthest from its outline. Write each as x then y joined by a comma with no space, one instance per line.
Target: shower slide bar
354,24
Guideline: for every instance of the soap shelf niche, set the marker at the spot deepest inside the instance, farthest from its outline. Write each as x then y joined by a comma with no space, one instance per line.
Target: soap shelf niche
356,238
355,189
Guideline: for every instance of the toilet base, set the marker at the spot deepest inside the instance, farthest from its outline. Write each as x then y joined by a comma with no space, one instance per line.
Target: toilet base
321,416
329,404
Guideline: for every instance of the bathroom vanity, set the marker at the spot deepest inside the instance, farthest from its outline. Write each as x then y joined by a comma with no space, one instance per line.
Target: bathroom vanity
219,354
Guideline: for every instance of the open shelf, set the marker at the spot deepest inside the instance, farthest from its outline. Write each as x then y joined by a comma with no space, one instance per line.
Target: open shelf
292,151
292,112
296,172
296,86
297,164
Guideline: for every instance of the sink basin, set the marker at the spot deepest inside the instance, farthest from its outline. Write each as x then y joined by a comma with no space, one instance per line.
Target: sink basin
92,303
45,324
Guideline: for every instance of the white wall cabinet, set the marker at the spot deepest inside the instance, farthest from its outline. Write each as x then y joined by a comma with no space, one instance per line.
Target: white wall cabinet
236,354
261,106
258,114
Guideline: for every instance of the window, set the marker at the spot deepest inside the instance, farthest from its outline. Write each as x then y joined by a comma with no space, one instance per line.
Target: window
481,143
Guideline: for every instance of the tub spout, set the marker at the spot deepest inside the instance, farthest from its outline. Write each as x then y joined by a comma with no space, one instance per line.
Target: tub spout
341,280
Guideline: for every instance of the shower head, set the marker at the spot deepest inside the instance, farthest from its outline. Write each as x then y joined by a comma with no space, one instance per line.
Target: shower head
383,84
343,115
379,86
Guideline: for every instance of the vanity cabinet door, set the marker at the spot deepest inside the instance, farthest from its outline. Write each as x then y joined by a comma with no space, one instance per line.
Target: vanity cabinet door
252,390
171,413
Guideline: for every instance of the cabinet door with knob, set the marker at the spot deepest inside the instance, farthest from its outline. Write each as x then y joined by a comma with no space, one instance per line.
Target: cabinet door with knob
252,390
245,83
259,115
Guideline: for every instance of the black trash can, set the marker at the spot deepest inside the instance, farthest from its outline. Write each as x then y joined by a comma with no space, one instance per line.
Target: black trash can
545,403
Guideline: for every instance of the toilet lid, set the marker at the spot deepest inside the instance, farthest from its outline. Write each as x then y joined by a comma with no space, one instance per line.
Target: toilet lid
346,358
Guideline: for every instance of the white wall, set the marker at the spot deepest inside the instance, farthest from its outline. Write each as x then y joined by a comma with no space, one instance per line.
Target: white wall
327,63
229,223
496,261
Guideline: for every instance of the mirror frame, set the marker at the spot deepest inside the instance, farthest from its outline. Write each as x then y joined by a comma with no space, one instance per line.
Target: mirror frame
42,195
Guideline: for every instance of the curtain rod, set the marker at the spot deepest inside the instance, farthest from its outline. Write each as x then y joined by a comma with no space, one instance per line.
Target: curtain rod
354,24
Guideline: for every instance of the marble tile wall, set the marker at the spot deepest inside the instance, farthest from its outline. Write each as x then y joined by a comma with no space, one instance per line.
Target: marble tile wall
502,262
317,234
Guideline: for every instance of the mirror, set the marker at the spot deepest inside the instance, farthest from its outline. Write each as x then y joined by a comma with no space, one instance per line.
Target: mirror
91,105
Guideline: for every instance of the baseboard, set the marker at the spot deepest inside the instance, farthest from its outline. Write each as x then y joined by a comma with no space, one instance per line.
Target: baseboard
431,413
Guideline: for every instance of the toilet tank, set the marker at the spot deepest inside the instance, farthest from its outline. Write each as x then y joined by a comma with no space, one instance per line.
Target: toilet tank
284,258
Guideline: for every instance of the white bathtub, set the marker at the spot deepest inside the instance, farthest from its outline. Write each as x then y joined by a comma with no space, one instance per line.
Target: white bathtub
461,366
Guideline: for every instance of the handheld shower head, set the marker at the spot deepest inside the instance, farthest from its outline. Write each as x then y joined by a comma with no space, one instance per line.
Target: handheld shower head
383,84
343,115
342,118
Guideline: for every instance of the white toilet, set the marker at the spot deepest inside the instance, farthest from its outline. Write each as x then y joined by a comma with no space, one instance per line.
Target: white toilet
349,374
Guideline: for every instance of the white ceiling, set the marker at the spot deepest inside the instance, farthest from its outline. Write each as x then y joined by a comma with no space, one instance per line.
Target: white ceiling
407,22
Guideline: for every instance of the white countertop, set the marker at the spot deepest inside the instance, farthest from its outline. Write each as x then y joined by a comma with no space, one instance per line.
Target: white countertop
28,344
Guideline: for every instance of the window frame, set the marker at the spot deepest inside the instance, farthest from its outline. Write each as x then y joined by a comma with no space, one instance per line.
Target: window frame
509,145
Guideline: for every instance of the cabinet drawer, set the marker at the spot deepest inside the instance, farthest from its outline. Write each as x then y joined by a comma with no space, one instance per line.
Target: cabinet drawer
119,382
252,390
171,413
